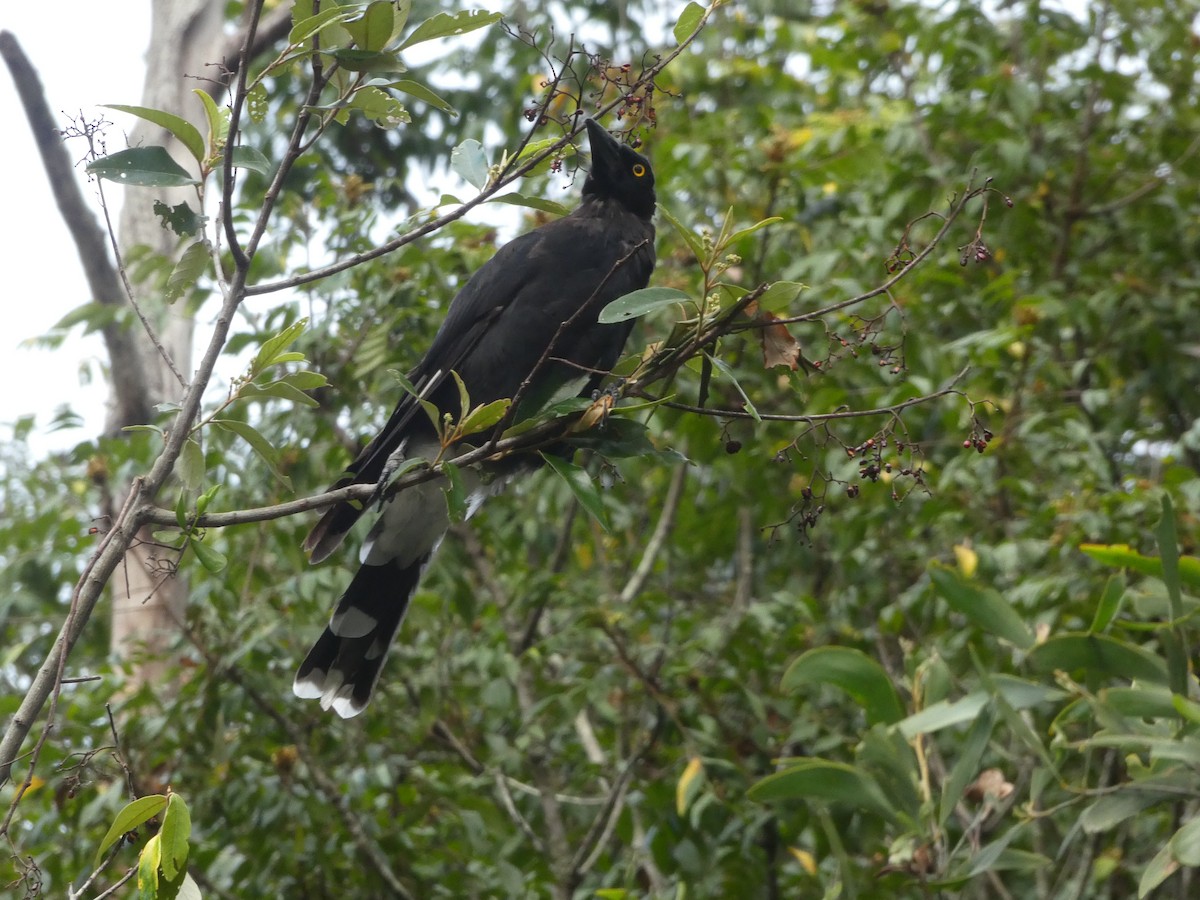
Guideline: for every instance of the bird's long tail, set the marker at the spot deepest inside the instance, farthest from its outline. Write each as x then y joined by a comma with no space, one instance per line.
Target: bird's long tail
344,664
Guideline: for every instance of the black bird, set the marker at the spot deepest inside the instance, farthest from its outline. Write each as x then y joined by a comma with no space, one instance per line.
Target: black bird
530,310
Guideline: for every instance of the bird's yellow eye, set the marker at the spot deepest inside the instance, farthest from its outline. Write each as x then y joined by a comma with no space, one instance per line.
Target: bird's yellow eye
639,170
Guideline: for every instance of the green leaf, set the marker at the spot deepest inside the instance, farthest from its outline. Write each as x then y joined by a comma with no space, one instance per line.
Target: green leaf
147,871
191,465
853,672
780,296
1019,694
1168,548
1110,603
422,93
305,28
383,64
248,158
983,606
636,304
174,836
447,24
746,232
1157,871
1185,843
180,218
1115,809
456,492
824,781
258,443
380,107
212,560
135,813
1124,557
192,264
186,133
514,199
581,486
218,120
279,390
269,353
1097,653
483,417
966,768
470,163
373,29
141,166
691,16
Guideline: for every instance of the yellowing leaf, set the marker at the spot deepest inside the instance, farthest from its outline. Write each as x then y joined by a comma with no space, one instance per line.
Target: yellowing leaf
689,784
968,560
805,859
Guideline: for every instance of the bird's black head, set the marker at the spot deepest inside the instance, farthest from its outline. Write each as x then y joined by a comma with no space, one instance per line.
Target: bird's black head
618,173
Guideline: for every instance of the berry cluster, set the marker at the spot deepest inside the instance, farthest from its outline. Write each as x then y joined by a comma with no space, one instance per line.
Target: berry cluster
977,440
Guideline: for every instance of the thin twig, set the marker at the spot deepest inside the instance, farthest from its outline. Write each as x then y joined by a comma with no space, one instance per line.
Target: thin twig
666,521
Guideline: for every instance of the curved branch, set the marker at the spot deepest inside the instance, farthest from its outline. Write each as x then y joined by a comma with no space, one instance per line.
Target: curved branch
129,384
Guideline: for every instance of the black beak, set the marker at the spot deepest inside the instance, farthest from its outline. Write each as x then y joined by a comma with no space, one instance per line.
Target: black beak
606,156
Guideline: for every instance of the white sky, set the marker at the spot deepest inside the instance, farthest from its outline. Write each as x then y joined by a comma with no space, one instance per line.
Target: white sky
86,54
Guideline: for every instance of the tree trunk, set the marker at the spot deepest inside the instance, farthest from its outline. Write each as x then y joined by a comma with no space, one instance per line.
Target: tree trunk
185,43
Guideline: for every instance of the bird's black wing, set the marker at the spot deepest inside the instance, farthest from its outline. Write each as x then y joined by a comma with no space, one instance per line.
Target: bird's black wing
497,329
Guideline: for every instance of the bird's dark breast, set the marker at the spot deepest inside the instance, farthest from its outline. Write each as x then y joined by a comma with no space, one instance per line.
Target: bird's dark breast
570,273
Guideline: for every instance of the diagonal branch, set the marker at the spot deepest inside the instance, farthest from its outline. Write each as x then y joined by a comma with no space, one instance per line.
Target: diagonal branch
129,386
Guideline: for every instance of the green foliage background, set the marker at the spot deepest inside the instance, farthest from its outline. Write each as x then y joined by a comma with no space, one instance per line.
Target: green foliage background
531,692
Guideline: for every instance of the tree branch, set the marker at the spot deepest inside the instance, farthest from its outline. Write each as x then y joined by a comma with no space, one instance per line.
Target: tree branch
91,244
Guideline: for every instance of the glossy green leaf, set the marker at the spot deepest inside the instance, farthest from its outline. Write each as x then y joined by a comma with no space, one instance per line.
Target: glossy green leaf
141,166
982,606
447,24
638,303
852,671
183,130
132,816
1100,654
